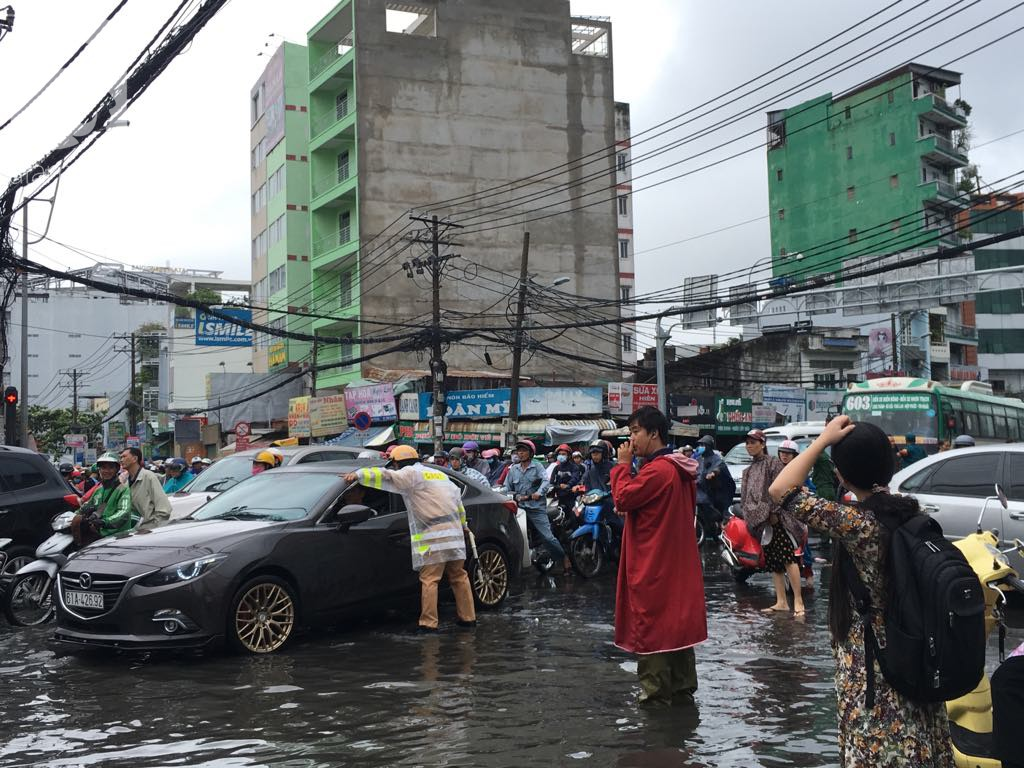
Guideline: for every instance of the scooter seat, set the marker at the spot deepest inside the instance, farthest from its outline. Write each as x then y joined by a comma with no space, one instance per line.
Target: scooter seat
971,743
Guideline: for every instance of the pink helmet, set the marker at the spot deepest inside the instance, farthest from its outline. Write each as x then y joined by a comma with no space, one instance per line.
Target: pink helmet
789,446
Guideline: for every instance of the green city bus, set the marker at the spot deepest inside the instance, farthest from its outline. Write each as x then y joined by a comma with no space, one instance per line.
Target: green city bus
935,413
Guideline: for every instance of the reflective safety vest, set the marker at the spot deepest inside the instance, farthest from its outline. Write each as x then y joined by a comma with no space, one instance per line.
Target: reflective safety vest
433,504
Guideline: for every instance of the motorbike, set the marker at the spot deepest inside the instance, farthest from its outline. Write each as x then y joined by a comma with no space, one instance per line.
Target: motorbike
970,716
593,543
28,601
740,550
560,526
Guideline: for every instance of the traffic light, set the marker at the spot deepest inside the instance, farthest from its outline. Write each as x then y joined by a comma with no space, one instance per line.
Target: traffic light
11,416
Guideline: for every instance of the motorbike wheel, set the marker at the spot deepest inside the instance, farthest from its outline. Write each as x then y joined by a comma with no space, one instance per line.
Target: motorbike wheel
489,576
699,529
587,556
25,604
263,615
542,561
742,574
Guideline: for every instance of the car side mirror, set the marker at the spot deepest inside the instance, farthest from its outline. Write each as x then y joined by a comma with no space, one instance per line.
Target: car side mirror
1001,495
352,514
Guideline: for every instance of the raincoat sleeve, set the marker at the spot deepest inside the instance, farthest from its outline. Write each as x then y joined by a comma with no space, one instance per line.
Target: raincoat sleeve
398,481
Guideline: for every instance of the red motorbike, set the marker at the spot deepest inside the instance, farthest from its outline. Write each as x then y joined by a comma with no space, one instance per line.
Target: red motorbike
741,550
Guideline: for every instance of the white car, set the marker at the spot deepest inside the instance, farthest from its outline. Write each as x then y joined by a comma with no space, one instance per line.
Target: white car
953,487
232,470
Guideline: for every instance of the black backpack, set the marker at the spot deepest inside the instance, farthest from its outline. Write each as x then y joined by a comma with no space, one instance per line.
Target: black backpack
935,617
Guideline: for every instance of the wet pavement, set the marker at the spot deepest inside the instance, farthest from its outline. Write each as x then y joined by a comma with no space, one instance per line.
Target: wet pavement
537,684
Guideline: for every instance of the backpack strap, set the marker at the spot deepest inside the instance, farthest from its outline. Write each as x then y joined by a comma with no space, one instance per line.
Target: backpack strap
862,604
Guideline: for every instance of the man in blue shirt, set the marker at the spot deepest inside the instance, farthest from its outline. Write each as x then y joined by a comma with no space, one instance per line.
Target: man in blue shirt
527,482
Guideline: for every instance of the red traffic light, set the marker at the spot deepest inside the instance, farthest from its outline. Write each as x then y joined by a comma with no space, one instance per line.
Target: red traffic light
11,396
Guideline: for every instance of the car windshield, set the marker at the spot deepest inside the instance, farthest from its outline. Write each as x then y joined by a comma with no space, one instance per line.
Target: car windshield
896,413
225,474
738,453
274,496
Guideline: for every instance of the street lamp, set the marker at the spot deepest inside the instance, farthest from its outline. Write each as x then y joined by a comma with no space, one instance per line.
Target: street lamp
661,336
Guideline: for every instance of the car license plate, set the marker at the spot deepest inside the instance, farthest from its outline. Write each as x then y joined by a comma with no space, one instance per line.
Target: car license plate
84,599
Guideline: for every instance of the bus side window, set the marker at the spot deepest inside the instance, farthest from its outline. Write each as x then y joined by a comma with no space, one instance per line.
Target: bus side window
1000,419
986,421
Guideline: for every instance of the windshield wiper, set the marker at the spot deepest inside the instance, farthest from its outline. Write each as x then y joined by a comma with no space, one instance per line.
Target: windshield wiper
219,485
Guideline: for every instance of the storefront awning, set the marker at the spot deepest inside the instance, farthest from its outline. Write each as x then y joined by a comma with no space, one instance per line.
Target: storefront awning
489,433
375,437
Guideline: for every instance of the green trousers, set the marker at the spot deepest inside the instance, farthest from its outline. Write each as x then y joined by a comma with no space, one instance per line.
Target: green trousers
667,678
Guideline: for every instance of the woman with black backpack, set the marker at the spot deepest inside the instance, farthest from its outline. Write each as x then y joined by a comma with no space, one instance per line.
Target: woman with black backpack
878,726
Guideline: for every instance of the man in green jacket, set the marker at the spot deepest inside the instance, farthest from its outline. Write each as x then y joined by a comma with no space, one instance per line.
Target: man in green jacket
111,502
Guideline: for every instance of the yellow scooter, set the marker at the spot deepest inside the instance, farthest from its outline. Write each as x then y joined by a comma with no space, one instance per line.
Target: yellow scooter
970,716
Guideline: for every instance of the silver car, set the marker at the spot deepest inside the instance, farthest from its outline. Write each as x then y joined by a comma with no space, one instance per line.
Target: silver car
231,470
952,487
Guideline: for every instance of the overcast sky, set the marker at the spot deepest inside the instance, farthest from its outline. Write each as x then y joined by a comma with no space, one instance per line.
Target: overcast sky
174,186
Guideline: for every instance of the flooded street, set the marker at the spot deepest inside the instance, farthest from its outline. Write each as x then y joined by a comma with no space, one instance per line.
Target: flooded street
538,683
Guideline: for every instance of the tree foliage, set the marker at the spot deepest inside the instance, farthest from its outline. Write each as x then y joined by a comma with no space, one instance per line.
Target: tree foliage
49,425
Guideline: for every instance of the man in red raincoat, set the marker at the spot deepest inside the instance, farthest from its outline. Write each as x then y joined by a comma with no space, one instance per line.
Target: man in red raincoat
659,604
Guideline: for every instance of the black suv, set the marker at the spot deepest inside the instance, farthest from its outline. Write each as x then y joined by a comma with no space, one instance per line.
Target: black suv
31,493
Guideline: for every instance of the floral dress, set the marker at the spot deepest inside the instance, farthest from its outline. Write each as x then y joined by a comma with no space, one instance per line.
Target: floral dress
897,732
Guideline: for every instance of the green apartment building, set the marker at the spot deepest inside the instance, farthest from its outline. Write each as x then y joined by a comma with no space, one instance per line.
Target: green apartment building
867,172
281,256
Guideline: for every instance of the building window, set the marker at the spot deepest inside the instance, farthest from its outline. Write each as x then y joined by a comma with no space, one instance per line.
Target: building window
824,380
627,342
782,214
851,192
341,105
343,166
344,227
623,249
891,95
626,292
852,235
778,175
846,113
623,208
895,226
345,289
782,251
892,139
849,153
620,162
894,181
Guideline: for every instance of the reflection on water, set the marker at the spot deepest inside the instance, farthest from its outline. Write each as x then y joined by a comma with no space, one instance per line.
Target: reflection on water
538,683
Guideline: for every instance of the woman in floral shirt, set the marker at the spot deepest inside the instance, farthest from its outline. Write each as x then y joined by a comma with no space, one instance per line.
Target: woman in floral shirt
896,732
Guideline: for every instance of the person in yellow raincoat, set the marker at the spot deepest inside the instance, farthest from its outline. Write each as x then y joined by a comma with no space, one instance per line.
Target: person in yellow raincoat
436,523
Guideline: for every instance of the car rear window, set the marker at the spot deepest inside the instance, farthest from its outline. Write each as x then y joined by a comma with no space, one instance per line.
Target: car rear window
18,474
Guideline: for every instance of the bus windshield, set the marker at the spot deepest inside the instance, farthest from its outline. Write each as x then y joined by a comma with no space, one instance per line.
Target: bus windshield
896,413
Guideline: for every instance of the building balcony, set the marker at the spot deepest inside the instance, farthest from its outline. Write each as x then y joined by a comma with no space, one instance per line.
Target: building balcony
334,246
338,186
941,151
944,193
962,334
940,112
332,128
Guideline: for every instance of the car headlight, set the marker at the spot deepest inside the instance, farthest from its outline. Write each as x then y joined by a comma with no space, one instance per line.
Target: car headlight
62,521
189,570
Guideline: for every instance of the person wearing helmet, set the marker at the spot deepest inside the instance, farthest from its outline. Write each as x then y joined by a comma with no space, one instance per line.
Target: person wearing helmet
495,465
440,459
473,459
278,455
715,487
788,450
177,475
108,511
528,485
197,465
263,461
437,521
565,477
457,461
963,441
911,452
598,468
90,480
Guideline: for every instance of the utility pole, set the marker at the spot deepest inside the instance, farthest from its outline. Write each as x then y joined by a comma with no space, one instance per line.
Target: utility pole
74,399
895,346
438,368
312,383
132,415
24,328
517,346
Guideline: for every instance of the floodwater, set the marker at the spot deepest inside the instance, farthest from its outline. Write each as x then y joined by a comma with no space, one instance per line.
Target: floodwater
537,684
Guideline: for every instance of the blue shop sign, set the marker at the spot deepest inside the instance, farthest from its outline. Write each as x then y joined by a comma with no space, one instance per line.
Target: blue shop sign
212,331
470,403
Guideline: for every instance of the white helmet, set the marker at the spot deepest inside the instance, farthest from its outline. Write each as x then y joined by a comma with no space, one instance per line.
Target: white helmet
790,446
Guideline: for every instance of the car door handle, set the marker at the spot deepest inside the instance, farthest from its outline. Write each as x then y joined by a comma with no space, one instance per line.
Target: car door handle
930,509
399,536
1017,515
